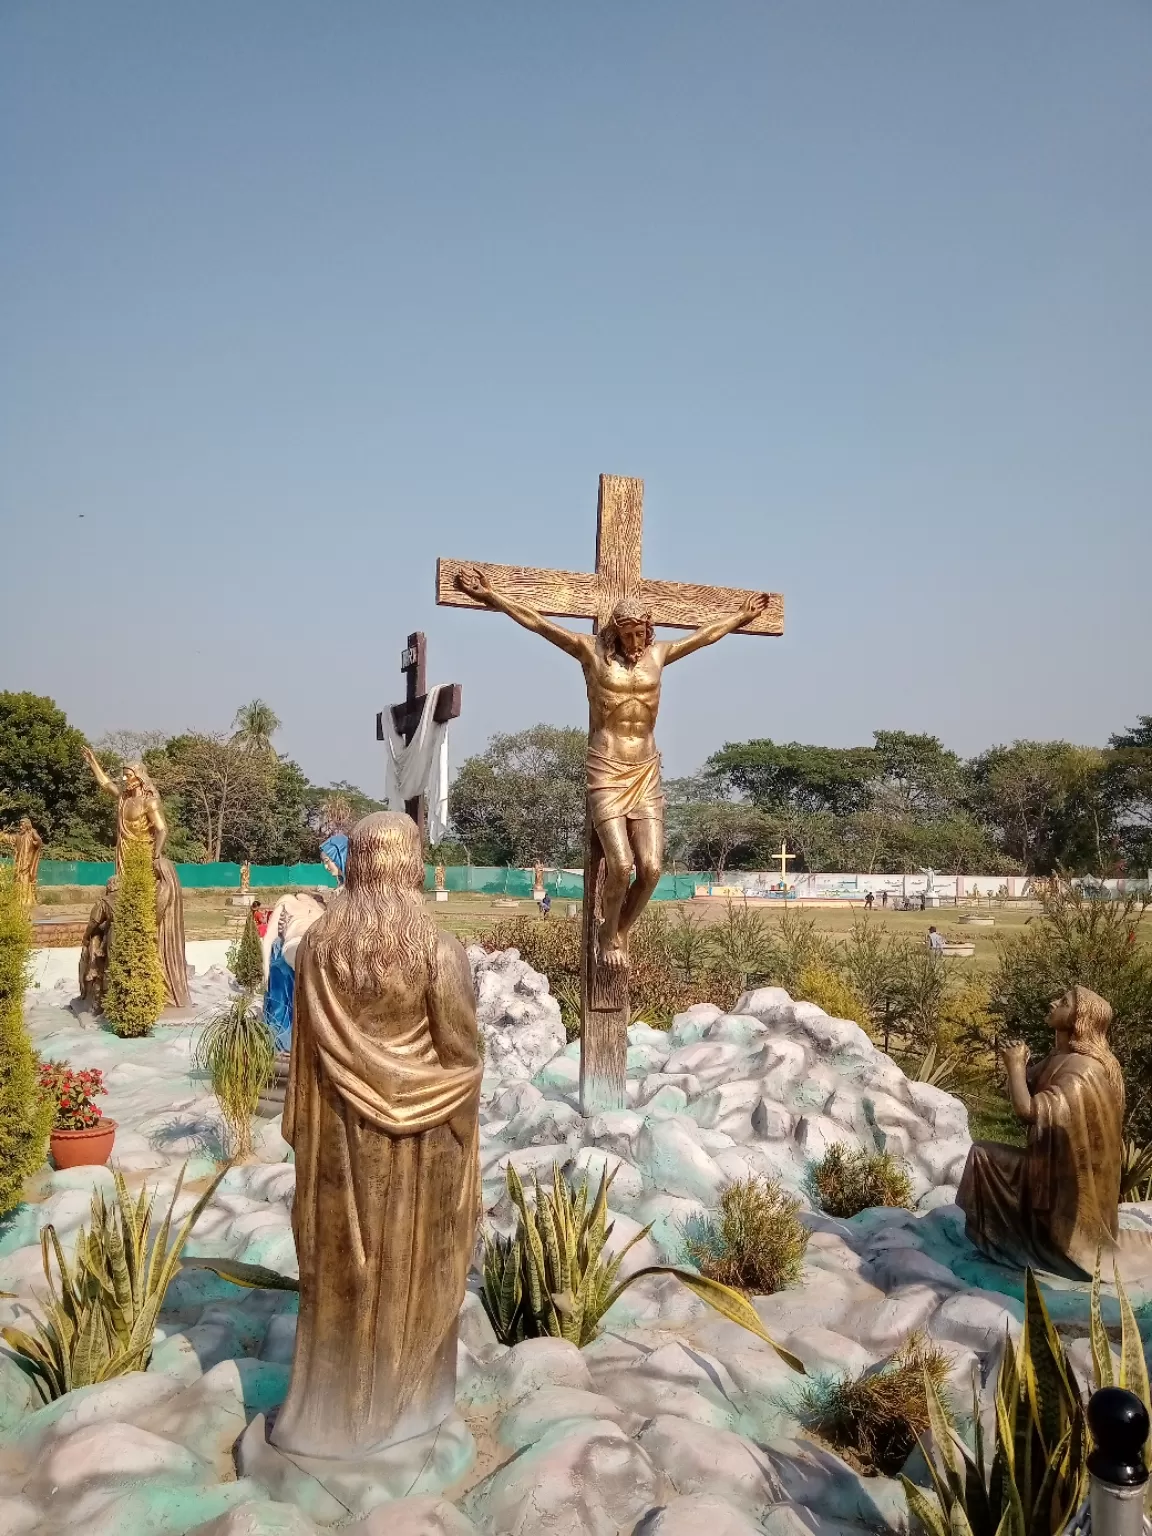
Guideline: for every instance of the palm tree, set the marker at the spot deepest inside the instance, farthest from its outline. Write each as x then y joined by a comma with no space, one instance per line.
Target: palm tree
255,725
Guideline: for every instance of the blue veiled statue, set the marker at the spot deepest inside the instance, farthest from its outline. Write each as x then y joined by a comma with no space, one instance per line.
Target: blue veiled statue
293,915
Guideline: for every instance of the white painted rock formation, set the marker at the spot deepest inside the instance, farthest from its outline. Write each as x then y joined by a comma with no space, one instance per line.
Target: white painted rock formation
672,1423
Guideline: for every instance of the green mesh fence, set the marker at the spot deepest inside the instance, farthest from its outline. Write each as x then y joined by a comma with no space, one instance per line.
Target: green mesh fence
479,879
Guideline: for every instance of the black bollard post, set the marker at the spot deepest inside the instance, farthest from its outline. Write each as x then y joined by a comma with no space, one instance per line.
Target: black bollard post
1119,1424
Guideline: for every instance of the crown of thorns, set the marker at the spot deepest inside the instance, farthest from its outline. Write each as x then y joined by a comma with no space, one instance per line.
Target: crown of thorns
631,608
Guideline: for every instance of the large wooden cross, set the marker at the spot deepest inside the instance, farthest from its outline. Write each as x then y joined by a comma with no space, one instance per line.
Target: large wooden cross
593,595
406,716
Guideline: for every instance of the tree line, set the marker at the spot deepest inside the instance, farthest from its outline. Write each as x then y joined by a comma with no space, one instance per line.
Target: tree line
227,795
904,802
898,805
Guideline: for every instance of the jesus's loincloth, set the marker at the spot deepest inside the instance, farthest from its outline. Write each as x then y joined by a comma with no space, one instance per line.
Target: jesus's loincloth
623,790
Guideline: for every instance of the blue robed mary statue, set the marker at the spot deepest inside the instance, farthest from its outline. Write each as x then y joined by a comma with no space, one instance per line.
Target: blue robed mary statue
288,922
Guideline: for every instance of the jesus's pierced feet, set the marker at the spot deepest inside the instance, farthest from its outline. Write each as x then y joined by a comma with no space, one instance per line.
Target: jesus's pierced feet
613,952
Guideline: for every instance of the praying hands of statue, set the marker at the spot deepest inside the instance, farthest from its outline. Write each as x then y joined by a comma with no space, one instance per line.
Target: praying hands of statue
1015,1059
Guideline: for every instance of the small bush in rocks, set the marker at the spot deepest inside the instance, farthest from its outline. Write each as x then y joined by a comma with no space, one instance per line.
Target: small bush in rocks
847,1182
756,1242
236,1049
877,1415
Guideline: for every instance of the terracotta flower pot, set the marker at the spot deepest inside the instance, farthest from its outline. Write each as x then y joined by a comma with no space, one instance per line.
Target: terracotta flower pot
84,1149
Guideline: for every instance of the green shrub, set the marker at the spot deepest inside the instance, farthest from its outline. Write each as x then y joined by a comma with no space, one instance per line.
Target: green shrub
1079,940
818,983
246,956
25,1116
134,992
798,947
741,948
848,1182
552,1278
877,1415
236,1049
657,988
756,1243
102,1306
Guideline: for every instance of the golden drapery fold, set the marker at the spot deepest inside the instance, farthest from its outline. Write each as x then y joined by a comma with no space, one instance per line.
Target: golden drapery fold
616,789
170,932
1053,1203
386,1145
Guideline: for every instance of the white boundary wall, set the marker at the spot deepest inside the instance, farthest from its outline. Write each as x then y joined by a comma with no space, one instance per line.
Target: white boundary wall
948,888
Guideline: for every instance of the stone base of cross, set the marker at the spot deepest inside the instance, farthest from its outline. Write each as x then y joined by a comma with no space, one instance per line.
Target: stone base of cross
593,595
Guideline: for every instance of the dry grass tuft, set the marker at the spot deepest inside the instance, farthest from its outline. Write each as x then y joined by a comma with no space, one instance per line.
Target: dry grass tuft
847,1182
757,1241
876,1415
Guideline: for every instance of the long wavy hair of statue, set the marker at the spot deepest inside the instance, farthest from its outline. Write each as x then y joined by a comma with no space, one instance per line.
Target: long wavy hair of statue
1091,1018
378,922
138,771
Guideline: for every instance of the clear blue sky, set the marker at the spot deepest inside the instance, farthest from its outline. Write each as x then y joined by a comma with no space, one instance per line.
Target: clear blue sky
295,297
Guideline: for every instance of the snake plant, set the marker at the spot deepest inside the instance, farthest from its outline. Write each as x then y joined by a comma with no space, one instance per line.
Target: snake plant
552,1277
1038,1475
101,1309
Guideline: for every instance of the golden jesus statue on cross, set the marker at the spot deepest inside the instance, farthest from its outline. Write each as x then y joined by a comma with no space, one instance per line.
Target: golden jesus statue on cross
623,666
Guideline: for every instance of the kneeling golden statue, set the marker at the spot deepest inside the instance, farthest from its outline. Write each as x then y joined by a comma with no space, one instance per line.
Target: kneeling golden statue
1053,1203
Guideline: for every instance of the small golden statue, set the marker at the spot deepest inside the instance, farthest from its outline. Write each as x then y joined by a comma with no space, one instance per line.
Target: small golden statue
26,844
1053,1204
441,876
140,817
245,877
623,669
382,1112
94,950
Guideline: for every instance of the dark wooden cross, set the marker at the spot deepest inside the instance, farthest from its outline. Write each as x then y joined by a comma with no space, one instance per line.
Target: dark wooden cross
593,595
406,716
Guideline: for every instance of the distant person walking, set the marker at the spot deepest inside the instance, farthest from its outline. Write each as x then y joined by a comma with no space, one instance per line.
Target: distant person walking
869,902
545,904
884,898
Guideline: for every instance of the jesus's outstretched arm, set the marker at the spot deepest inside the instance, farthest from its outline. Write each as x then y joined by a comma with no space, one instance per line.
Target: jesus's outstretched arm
477,585
708,634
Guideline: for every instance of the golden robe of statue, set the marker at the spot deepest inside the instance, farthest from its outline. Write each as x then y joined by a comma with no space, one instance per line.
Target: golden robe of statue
26,844
140,818
1053,1203
382,1112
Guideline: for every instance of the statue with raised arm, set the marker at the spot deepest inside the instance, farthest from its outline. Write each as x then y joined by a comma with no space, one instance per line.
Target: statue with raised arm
623,666
140,818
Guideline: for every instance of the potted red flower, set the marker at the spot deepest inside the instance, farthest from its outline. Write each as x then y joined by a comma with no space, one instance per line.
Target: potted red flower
81,1136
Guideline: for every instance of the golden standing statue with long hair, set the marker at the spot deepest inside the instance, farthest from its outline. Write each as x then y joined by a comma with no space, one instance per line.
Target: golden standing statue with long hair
623,669
140,818
382,1112
27,845
1053,1204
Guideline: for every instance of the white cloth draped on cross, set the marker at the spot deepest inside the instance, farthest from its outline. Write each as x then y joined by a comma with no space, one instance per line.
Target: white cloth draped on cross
420,767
